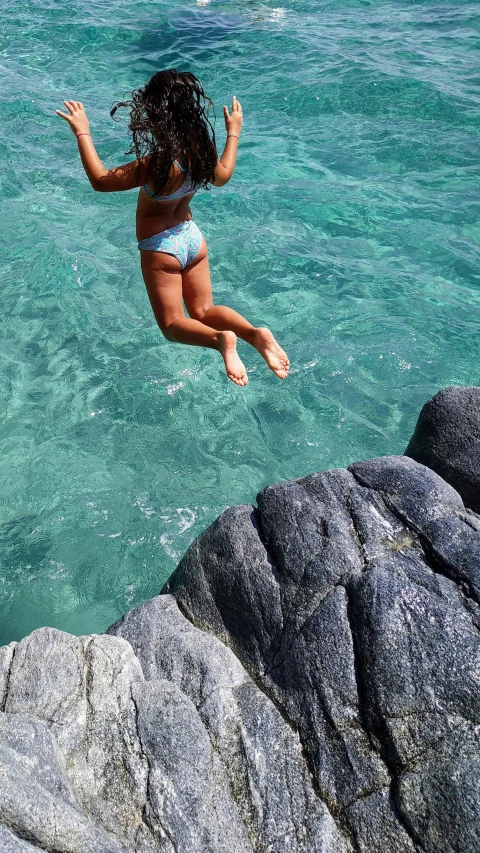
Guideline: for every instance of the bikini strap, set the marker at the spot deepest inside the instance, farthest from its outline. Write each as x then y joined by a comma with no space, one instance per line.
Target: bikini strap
180,167
148,191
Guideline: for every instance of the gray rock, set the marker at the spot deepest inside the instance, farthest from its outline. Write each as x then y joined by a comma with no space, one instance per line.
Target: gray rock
159,743
93,758
440,794
370,579
377,828
309,682
447,440
6,657
217,597
310,670
35,800
189,805
410,641
10,843
81,688
262,755
433,509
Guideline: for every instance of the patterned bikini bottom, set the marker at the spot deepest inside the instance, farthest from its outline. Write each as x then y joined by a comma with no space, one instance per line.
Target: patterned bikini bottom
183,242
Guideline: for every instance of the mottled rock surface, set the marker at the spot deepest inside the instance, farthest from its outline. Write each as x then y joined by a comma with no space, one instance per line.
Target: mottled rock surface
309,682
351,598
447,440
152,738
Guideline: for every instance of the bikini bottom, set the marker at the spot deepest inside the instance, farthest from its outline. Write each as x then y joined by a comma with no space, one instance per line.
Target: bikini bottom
183,242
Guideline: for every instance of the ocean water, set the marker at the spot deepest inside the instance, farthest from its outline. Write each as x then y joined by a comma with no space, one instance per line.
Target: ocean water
351,228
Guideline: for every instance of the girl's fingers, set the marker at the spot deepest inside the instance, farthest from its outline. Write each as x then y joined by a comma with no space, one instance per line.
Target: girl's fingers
225,112
73,106
63,115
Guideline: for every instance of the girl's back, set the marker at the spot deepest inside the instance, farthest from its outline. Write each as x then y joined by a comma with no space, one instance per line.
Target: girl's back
160,211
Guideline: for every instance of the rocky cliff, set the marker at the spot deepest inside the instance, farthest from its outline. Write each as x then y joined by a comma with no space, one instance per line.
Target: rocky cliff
308,682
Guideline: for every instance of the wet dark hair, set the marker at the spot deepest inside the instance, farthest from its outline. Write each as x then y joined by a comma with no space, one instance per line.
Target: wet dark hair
169,120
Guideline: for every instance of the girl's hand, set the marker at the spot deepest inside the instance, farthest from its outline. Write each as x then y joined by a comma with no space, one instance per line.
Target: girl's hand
77,119
233,122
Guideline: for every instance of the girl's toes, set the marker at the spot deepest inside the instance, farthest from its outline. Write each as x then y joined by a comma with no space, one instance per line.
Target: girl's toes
235,368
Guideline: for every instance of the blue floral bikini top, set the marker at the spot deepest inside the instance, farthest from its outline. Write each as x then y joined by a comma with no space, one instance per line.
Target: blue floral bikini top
187,187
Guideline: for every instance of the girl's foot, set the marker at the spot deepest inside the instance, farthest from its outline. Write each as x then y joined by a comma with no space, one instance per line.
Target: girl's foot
227,344
273,354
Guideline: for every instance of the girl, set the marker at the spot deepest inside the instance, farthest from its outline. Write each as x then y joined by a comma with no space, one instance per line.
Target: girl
174,145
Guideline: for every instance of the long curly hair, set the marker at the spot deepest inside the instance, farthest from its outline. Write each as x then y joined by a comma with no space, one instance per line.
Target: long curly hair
169,120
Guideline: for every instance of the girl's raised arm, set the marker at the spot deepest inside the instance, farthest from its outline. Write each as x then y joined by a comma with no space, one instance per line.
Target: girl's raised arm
233,125
103,180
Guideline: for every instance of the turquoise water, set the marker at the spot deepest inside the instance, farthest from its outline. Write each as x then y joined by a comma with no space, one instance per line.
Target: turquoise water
351,227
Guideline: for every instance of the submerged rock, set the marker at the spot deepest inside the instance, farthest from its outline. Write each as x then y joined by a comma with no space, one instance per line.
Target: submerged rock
308,682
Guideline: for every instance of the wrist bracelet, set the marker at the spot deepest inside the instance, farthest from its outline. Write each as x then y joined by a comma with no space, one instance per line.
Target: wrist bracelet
84,133
234,135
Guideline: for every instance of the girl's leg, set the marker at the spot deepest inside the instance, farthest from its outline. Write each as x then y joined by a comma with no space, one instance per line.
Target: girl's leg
163,279
197,293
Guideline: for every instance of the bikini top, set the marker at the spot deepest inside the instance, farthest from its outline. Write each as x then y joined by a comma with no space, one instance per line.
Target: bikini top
187,187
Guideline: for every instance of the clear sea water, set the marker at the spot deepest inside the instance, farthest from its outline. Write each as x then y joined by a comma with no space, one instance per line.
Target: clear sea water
351,227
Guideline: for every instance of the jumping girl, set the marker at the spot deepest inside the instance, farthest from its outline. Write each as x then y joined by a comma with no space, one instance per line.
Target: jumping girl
174,145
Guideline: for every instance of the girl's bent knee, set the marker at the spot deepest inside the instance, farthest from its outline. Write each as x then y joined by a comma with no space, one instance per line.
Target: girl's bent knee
198,313
165,332
168,330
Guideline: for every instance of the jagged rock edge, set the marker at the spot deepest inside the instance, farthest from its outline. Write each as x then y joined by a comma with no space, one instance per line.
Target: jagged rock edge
145,758
434,561
7,680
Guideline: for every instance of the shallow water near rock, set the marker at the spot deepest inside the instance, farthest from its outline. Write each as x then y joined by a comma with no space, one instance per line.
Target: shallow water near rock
350,227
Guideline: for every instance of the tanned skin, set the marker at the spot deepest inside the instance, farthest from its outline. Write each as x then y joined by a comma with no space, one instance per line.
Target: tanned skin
168,286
